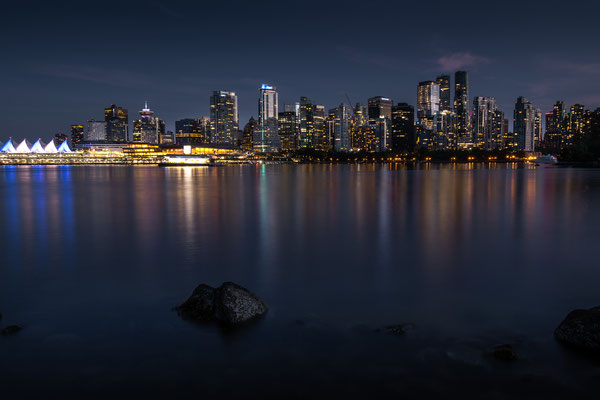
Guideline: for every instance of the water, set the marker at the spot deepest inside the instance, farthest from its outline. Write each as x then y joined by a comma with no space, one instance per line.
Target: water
94,258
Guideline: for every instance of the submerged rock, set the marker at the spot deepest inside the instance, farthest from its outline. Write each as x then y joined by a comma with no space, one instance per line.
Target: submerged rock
581,330
504,352
11,330
399,329
229,304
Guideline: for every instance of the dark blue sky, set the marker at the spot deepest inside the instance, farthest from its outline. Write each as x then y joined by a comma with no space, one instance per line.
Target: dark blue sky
63,62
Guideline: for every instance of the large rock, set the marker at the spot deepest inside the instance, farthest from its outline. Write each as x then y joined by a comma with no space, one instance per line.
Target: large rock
229,304
581,330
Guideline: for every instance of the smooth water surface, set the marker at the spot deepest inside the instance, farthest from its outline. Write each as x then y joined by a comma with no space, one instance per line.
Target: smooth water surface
94,258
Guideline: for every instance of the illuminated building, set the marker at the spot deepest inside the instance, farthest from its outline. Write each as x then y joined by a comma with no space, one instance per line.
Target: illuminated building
482,123
60,137
190,132
306,137
288,130
341,128
576,123
428,107
461,108
379,106
403,127
224,123
248,134
320,141
266,137
538,133
117,124
556,127
76,134
96,131
357,133
443,82
524,124
148,128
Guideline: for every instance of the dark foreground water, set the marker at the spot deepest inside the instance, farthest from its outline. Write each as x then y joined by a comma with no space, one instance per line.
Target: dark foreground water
93,259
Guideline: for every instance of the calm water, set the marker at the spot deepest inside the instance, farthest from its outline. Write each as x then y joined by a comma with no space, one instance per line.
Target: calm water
93,259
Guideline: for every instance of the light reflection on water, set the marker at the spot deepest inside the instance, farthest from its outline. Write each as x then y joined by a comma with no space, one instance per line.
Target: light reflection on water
459,250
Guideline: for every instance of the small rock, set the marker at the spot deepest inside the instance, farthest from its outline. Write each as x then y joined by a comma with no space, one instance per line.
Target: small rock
11,330
229,304
504,352
581,330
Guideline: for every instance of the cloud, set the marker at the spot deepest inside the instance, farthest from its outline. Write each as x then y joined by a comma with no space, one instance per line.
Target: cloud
460,60
574,67
102,76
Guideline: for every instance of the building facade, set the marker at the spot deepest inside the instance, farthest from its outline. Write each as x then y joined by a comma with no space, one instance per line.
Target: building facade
224,123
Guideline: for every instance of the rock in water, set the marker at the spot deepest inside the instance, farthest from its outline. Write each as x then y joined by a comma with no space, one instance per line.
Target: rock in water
504,352
235,304
229,304
581,330
11,330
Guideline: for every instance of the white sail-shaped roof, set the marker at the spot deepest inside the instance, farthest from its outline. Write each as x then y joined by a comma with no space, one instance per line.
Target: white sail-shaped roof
38,147
64,148
50,147
9,147
23,147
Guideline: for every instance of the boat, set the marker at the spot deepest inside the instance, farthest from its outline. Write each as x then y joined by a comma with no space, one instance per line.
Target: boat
186,161
545,160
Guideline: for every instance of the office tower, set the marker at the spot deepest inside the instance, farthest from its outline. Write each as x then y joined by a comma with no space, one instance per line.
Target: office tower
499,130
443,82
306,124
330,127
576,122
224,122
403,127
320,141
266,137
148,128
96,131
248,134
76,134
379,106
556,125
341,128
382,134
538,133
168,138
461,107
482,123
524,124
359,120
288,130
428,99
117,124
60,138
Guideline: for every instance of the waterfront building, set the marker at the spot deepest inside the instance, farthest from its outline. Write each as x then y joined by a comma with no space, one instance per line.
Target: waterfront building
96,131
148,128
443,82
60,137
266,137
428,110
538,133
358,121
168,138
8,147
288,130
556,124
482,123
190,131
379,106
306,137
117,124
524,124
76,134
576,124
320,140
224,123
403,127
341,128
248,134
461,108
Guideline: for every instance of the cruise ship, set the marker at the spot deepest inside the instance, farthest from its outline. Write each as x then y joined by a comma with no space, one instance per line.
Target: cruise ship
186,161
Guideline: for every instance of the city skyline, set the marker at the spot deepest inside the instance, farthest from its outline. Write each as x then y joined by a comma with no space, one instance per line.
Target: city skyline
72,74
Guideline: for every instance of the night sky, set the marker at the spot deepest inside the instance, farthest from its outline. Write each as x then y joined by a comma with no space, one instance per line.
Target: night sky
63,62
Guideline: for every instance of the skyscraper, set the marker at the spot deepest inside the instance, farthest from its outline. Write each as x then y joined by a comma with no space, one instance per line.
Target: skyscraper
428,99
96,131
524,124
443,82
556,125
341,137
76,134
358,121
148,128
461,107
189,132
484,110
320,140
288,130
306,124
223,118
379,106
248,134
117,124
403,127
266,137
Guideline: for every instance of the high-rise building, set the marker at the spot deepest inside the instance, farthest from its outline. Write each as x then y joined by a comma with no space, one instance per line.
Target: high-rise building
556,126
428,99
358,121
248,134
341,131
117,124
538,133
224,123
288,130
379,106
96,131
403,127
148,128
443,82
60,138
461,107
320,140
306,137
524,124
189,132
168,138
76,134
482,123
266,137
